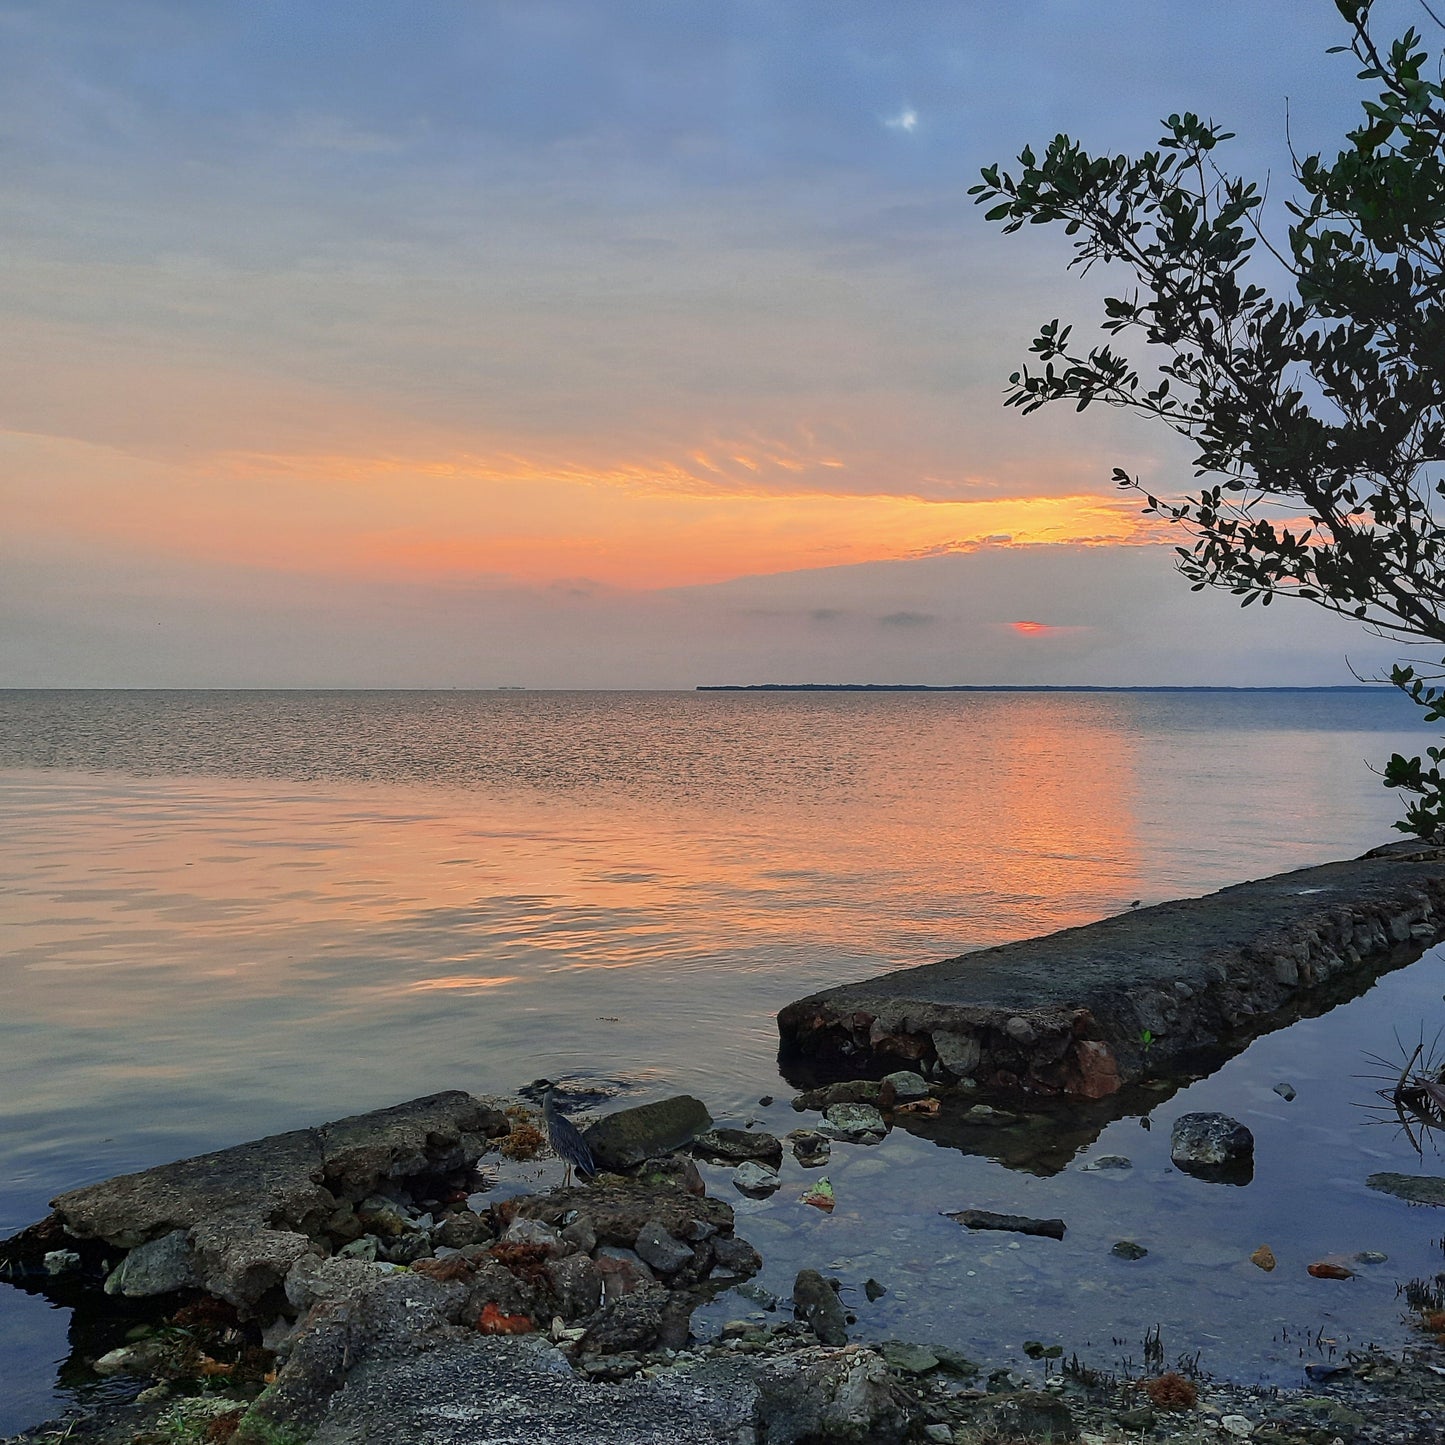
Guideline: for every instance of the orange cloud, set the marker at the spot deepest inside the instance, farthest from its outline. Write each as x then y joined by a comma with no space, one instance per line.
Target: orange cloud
634,525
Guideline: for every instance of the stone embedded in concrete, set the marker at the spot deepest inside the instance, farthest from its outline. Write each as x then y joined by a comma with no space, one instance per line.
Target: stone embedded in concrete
159,1267
1089,1010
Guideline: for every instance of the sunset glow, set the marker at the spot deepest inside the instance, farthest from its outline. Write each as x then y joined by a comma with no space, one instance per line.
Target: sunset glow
290,367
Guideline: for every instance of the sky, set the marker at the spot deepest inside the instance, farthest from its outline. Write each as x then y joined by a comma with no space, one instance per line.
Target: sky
553,343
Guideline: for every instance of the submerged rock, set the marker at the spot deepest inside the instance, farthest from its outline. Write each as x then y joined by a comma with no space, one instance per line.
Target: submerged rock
738,1145
816,1303
1413,1188
1014,1223
1211,1145
855,1123
756,1179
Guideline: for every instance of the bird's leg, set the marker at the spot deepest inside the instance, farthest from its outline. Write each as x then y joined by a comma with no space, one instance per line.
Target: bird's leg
567,1181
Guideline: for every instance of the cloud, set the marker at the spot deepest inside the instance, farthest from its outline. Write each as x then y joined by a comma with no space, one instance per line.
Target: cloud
906,120
907,619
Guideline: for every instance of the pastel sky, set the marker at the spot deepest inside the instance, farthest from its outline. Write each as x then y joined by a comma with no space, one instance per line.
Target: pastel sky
565,343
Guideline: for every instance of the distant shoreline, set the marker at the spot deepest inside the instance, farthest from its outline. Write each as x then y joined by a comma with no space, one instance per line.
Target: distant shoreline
1010,687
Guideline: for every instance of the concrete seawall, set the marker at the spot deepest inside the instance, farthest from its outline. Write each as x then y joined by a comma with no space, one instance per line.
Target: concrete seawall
1086,1011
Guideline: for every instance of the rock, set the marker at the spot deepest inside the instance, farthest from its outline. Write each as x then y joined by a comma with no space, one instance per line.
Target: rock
1211,1146
616,1209
1240,1426
989,1117
364,1248
580,1235
855,1123
1108,1164
577,1283
660,1251
816,1303
1372,1256
406,1249
311,1281
1032,1415
908,1359
959,1053
160,1267
471,1388
61,1261
1413,1188
950,1362
493,1284
843,1395
679,1169
457,1231
736,1257
1016,1223
874,1290
756,1179
1127,1249
638,1321
1287,1093
942,1434
848,1091
908,1086
820,1195
382,1217
1264,1258
630,1136
540,1236
245,1265
1324,1269
737,1145
810,1148
623,1272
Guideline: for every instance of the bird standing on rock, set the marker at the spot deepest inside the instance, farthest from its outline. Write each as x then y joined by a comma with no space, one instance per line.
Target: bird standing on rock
563,1135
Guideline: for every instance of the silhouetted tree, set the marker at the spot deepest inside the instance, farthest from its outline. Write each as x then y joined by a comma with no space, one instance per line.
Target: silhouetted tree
1316,415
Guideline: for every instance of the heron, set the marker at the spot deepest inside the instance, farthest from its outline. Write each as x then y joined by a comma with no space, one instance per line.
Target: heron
564,1136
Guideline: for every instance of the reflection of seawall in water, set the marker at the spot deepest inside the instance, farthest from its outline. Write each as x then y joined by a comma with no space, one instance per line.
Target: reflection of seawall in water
1149,995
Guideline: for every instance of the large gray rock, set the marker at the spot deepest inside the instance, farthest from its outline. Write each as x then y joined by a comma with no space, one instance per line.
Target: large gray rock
517,1391
843,1395
630,1136
160,1267
1211,1144
246,1265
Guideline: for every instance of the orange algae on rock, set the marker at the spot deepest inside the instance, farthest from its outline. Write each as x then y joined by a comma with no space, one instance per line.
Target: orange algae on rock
1172,1392
494,1322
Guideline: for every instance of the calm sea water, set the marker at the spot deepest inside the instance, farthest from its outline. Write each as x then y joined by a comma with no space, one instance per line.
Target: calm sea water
233,913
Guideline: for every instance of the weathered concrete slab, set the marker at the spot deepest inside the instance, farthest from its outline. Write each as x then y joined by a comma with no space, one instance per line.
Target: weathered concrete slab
236,1221
1085,1011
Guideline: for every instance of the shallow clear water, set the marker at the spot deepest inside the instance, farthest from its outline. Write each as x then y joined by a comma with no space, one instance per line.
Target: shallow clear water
232,913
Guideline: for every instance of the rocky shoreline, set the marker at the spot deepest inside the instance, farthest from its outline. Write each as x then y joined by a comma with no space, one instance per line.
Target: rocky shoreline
356,1282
